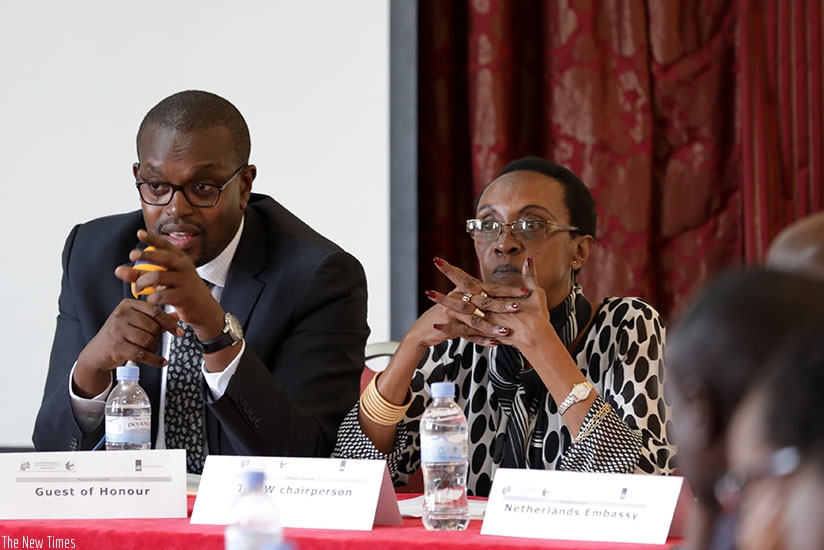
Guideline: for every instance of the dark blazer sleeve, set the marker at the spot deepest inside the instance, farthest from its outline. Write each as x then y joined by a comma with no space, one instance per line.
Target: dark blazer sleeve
89,291
292,403
304,315
55,427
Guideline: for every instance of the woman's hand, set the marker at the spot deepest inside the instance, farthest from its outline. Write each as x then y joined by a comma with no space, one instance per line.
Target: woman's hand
465,311
530,331
469,312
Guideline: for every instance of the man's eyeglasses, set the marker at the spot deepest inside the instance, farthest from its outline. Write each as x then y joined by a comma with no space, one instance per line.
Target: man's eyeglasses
729,488
202,195
530,230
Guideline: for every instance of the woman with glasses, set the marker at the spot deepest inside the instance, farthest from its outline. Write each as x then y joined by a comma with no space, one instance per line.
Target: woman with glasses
546,379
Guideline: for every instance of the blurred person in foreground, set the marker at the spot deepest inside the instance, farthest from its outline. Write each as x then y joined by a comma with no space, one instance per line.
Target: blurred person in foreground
270,345
717,350
776,450
546,379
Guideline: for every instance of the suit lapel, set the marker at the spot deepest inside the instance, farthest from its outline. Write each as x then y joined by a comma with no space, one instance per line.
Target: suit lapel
241,293
243,287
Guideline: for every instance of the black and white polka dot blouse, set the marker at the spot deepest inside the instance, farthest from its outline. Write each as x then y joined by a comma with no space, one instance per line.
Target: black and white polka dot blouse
622,355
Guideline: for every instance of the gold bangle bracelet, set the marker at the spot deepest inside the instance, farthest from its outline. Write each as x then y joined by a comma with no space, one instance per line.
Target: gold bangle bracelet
592,424
380,411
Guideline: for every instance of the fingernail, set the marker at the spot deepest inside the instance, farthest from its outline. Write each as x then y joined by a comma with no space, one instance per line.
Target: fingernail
525,290
437,326
438,262
514,305
494,343
529,261
503,330
431,294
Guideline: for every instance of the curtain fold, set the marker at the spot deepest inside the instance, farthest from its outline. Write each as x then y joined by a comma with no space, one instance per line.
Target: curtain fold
781,115
444,156
697,126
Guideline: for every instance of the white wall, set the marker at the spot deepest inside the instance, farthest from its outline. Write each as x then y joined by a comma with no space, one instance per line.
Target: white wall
76,78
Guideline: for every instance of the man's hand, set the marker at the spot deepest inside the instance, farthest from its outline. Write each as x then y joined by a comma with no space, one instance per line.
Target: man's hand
178,285
131,333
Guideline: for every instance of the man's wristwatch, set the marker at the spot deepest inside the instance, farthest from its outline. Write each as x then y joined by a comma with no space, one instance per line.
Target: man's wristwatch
579,393
231,335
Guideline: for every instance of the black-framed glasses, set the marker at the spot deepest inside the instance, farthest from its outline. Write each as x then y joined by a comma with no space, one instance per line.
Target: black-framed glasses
530,230
730,487
202,195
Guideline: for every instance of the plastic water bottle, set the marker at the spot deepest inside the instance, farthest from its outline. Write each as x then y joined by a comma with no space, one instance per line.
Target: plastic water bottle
128,413
444,461
254,522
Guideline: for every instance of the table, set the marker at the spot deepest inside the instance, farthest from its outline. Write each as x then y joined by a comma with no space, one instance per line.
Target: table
128,534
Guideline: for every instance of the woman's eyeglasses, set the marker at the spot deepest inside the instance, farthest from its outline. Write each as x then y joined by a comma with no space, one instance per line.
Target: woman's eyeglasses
530,230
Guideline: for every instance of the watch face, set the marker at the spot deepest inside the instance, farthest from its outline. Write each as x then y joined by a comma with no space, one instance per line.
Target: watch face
235,330
581,391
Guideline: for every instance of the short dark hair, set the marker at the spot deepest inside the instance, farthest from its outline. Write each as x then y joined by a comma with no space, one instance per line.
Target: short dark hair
729,330
577,197
196,110
792,390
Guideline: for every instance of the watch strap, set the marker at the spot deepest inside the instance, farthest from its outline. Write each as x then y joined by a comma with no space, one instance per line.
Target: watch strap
215,344
225,339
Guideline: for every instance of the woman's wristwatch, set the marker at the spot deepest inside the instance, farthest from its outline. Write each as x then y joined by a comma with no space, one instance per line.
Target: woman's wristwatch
579,393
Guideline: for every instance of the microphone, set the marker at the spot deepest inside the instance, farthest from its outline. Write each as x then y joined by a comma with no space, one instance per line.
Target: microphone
146,266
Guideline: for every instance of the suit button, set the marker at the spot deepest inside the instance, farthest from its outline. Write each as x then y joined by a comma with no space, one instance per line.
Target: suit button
253,418
244,405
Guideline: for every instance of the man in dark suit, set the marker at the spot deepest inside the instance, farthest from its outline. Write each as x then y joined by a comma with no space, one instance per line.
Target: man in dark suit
277,310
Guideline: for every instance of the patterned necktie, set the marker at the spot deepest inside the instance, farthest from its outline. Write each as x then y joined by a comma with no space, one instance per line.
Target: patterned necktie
184,401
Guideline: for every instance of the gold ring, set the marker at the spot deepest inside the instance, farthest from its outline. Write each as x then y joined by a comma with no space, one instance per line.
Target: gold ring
466,297
483,293
479,313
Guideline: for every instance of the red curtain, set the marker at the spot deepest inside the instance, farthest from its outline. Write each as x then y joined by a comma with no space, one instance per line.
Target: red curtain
697,124
781,115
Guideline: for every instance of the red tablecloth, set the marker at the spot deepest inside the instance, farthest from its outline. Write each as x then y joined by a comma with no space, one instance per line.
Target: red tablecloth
126,534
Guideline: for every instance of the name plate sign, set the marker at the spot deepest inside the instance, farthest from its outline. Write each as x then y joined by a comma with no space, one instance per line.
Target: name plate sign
581,506
93,484
317,493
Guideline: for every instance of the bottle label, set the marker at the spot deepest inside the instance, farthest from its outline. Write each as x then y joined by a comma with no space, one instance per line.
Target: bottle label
443,447
128,429
238,538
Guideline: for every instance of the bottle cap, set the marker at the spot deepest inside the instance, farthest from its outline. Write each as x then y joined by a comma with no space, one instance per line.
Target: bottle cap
128,372
253,479
443,389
